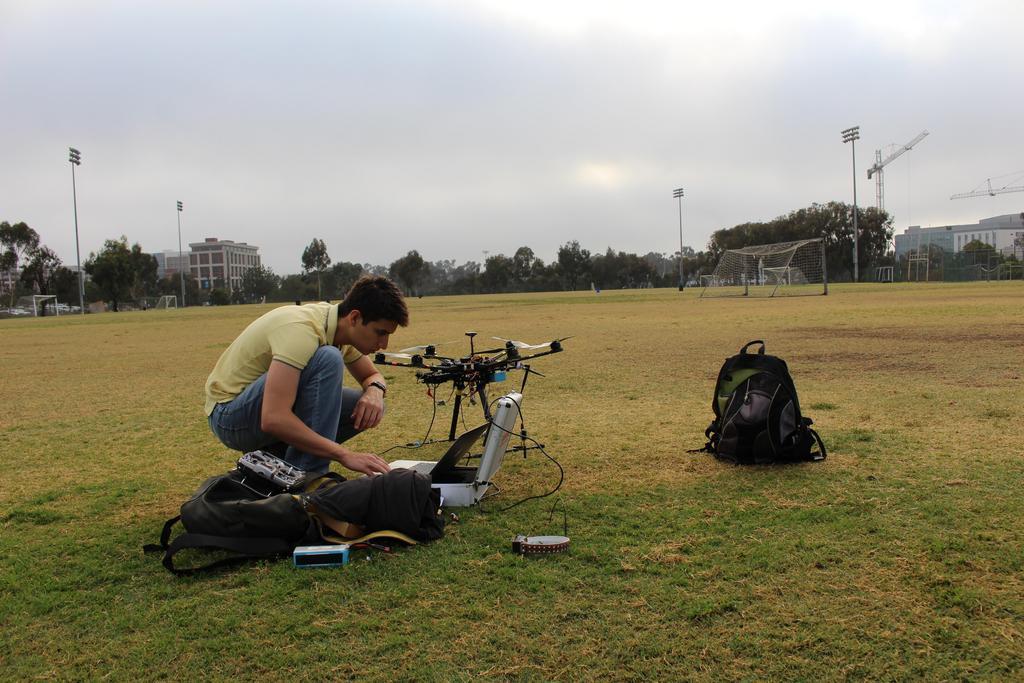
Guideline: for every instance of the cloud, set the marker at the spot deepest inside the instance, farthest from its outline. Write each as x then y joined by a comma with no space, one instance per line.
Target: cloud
452,127
604,176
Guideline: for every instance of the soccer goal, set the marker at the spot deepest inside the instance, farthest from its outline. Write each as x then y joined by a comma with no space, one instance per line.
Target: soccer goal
166,301
783,268
919,264
38,304
149,303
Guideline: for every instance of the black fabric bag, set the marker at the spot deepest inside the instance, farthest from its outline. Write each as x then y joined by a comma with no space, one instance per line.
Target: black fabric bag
401,500
228,515
225,514
757,413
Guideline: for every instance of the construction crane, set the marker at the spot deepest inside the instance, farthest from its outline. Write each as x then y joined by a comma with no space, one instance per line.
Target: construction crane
880,163
990,191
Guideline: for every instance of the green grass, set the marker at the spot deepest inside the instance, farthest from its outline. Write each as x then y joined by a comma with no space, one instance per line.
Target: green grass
899,557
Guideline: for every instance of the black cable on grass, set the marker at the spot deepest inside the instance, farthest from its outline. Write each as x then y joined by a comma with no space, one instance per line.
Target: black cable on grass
412,447
561,478
523,438
430,427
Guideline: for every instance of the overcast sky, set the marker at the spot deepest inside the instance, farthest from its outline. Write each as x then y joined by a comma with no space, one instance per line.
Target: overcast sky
456,128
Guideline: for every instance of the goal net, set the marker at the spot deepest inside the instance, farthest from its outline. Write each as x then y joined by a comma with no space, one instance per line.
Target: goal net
148,303
783,268
37,305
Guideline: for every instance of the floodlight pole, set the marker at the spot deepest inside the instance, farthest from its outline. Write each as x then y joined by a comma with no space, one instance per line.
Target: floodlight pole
851,135
181,258
75,157
678,194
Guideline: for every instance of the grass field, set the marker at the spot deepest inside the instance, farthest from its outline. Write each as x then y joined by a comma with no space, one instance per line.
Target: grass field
899,557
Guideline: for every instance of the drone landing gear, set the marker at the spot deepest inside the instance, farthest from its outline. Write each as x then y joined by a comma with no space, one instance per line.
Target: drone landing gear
460,389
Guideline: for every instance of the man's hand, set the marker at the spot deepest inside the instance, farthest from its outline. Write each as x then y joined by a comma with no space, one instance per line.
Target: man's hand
369,410
367,463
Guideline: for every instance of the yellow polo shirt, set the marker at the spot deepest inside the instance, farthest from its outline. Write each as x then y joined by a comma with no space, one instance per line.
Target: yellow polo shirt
290,334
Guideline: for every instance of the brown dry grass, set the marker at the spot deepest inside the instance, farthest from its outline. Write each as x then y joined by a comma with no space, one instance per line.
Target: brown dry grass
898,557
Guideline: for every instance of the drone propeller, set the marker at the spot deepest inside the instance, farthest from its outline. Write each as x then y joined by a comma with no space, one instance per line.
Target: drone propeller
395,356
523,346
427,349
413,359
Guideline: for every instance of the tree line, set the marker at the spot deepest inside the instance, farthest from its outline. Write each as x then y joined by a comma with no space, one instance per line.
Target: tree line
38,268
120,273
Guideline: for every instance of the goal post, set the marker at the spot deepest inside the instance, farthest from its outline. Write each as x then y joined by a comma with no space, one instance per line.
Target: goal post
780,269
157,303
38,304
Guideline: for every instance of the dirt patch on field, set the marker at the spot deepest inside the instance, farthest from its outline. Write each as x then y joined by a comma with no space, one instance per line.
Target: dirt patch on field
1009,334
886,361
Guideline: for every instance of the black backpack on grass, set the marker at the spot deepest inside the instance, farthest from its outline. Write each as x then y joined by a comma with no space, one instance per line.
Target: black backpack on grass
227,515
244,522
757,413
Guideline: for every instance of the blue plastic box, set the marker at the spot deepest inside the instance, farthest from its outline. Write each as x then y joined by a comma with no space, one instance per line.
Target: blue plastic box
313,556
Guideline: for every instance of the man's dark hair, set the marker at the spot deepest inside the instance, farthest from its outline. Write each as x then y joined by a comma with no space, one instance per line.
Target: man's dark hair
376,298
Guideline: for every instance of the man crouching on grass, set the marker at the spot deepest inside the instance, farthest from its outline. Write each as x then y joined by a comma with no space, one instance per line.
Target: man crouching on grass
278,385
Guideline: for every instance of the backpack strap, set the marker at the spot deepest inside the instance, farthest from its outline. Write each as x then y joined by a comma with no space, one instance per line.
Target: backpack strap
751,343
331,529
165,536
822,453
245,548
712,436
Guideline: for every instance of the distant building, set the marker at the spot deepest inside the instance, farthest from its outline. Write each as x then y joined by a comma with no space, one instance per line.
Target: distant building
74,269
999,232
8,282
170,262
221,263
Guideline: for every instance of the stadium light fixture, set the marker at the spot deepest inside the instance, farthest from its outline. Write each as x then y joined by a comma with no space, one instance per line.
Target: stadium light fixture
181,258
75,158
851,135
678,194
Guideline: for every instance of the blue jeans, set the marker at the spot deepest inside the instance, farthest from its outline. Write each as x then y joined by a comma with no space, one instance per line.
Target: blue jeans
320,402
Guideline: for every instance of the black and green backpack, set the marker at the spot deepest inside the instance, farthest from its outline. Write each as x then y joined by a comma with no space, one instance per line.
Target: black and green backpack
757,413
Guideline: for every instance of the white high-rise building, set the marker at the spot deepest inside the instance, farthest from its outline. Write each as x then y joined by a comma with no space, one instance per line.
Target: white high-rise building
998,232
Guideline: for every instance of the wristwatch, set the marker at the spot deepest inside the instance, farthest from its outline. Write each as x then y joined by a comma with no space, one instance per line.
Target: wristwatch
379,385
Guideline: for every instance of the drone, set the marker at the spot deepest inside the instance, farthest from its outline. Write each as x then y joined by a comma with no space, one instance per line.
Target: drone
473,372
